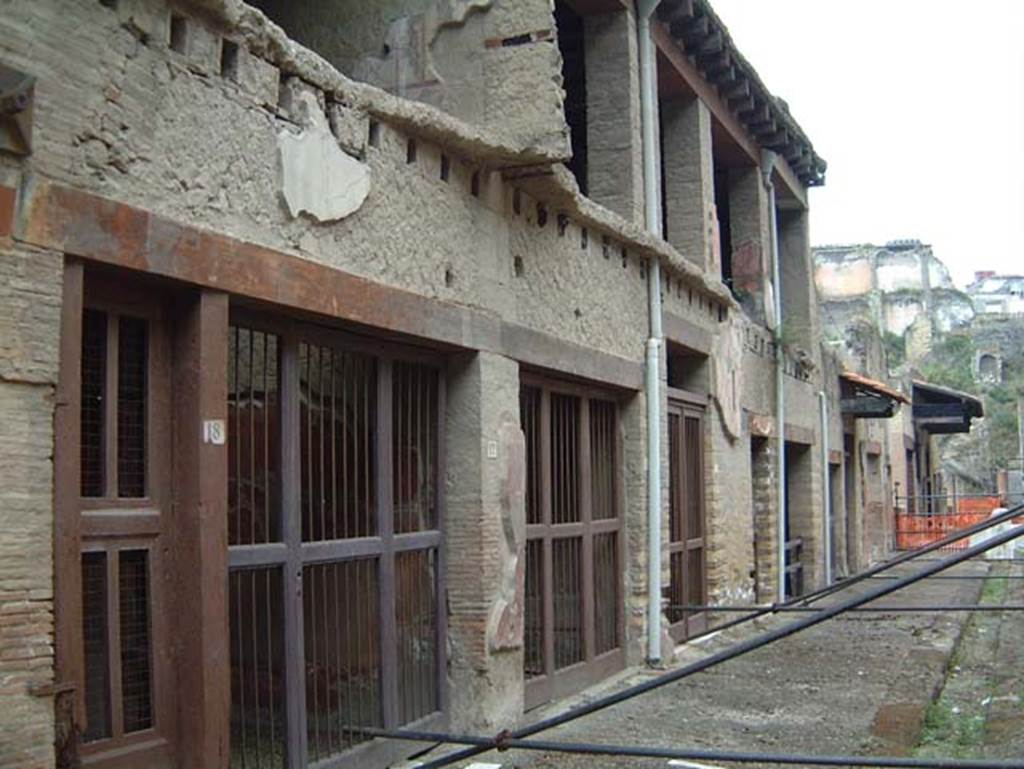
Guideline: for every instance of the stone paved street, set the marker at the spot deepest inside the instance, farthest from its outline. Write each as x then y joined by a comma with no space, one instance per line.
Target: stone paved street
859,684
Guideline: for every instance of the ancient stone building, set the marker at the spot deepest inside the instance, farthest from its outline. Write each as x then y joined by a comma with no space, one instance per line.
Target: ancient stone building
902,287
407,363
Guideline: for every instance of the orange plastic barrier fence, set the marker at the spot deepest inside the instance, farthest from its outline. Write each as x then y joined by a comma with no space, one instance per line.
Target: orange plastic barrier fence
913,531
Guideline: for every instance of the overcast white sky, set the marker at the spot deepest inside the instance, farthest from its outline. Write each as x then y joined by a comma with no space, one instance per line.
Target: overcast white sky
918,107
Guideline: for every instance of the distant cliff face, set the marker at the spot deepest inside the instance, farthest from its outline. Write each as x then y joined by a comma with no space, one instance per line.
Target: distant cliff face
902,287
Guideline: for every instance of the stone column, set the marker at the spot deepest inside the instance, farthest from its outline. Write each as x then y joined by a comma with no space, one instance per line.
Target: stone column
689,179
485,533
614,150
751,240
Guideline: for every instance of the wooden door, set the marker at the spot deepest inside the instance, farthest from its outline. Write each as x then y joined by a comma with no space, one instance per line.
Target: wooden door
113,459
573,595
687,524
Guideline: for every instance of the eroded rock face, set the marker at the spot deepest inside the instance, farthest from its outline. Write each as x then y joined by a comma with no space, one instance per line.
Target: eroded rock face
317,178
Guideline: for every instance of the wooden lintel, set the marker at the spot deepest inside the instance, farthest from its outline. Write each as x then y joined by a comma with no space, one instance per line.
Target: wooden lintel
694,30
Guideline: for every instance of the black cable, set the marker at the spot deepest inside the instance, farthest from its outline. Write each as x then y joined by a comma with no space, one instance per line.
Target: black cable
503,743
924,609
734,651
846,582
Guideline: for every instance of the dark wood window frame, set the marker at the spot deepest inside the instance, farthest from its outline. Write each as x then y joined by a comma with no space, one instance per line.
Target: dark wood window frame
685,406
549,682
293,555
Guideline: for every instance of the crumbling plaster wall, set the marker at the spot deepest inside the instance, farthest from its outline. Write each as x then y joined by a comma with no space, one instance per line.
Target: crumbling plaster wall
452,54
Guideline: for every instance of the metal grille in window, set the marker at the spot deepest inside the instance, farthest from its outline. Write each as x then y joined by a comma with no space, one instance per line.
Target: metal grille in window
533,630
675,518
96,642
568,599
677,594
606,592
94,372
338,439
131,407
565,507
416,614
341,611
136,664
414,446
602,460
694,482
529,415
257,669
254,425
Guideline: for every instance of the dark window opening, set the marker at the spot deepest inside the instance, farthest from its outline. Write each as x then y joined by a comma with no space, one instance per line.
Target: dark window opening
687,369
178,33
574,80
724,229
229,60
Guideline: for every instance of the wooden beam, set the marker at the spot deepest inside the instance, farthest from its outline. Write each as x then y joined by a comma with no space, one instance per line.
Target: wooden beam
742,88
867,407
714,43
740,104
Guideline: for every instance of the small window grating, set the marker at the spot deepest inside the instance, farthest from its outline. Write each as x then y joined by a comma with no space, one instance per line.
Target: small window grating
565,481
94,368
131,406
136,666
96,643
602,460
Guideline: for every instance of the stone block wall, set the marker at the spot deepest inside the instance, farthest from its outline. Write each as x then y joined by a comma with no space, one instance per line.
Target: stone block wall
30,296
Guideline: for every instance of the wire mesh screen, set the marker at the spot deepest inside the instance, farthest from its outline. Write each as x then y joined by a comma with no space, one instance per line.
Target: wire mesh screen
565,495
254,419
568,599
606,592
257,669
136,652
677,592
338,439
533,614
602,460
132,362
675,519
414,446
416,615
94,370
529,415
96,643
694,487
695,577
341,615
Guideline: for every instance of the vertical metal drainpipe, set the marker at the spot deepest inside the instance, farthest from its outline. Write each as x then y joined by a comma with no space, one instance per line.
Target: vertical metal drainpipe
767,166
825,489
652,378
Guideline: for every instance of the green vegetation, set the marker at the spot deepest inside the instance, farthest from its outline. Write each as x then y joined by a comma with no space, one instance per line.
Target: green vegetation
895,349
954,734
951,363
